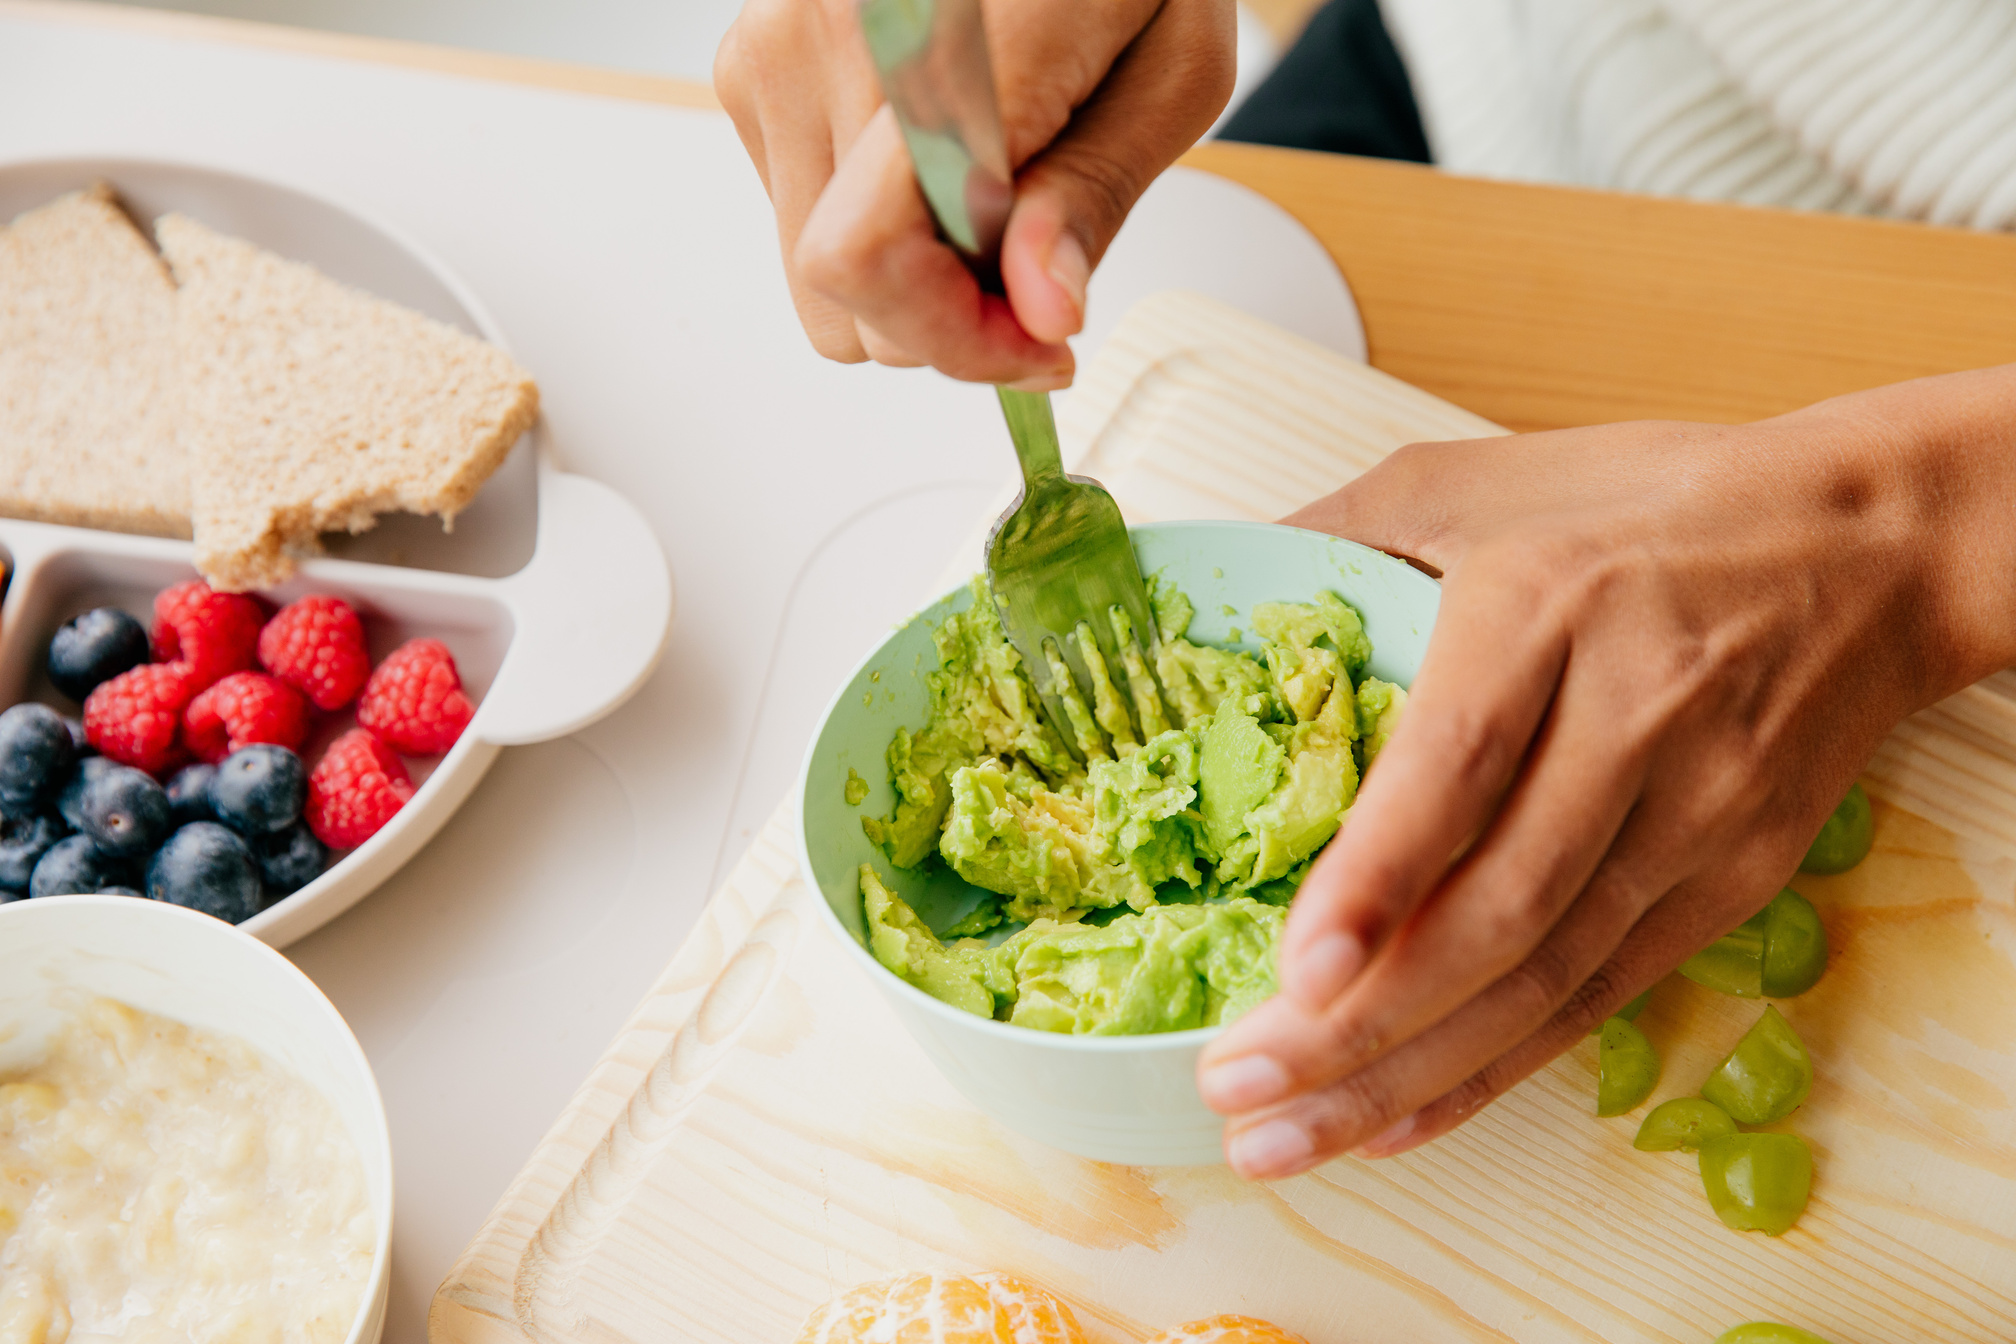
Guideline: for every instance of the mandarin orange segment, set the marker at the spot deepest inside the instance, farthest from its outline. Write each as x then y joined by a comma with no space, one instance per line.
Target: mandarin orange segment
1228,1330
1034,1316
916,1309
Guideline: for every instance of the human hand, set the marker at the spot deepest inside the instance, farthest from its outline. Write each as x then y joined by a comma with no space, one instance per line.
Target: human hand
1096,99
1664,651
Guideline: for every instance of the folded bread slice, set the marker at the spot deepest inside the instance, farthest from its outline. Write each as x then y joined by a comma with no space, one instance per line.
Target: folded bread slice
87,372
310,407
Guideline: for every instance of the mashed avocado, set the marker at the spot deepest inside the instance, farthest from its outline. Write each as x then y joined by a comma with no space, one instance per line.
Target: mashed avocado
1147,843
1168,968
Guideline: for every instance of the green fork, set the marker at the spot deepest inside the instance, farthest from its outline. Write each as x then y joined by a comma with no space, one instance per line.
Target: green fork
1059,561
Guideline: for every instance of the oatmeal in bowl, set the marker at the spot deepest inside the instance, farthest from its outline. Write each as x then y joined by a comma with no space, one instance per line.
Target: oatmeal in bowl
192,1147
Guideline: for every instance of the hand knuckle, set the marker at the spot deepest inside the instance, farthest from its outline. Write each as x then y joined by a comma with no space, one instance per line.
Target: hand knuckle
831,332
1466,740
1528,901
1592,1001
825,261
1473,1094
1350,1040
1540,983
1109,187
1354,1109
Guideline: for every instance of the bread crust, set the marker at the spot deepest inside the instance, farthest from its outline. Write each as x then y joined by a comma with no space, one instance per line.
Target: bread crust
309,406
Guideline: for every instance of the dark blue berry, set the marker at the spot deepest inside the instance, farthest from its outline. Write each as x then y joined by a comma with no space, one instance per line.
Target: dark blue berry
70,798
23,842
121,808
35,755
96,646
189,794
121,891
259,789
78,742
206,867
77,866
289,860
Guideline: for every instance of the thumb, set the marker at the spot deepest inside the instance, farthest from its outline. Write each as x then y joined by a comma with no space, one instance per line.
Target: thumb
1159,97
1420,503
1046,259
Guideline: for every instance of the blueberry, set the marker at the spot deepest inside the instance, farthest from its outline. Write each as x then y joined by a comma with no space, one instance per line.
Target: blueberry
289,860
189,794
206,867
75,866
23,841
121,808
78,742
259,789
95,647
83,775
121,891
35,754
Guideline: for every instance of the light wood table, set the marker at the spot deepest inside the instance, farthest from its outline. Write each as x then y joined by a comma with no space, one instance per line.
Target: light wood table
1536,307
1540,307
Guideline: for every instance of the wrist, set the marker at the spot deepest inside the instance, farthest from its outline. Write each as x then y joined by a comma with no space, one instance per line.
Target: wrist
1922,475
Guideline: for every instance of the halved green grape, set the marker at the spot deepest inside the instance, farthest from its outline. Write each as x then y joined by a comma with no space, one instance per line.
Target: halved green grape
1768,1332
1627,1068
1757,1182
1682,1123
1795,946
1844,837
1629,1012
1733,963
1766,1076
1778,953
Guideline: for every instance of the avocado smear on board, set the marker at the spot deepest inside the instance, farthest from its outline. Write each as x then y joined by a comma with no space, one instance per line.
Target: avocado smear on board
1148,861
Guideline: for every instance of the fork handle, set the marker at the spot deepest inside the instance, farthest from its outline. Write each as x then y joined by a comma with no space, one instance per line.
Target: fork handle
1033,429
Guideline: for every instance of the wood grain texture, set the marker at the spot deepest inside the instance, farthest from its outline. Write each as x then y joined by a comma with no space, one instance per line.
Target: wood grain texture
762,1134
457,61
1540,307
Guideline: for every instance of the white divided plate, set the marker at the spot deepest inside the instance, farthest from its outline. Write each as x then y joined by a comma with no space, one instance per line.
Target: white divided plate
551,591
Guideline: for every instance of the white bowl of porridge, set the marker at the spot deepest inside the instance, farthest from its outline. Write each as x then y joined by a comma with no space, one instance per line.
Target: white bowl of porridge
192,1146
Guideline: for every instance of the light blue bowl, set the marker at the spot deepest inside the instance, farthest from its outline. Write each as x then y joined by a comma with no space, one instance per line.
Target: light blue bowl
1129,1099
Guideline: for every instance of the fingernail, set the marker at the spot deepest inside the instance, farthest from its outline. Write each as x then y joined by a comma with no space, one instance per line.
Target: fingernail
1042,382
1272,1148
1387,1142
1069,268
1319,972
1243,1083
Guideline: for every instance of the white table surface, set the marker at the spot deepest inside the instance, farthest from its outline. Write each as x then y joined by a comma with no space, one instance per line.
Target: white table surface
627,250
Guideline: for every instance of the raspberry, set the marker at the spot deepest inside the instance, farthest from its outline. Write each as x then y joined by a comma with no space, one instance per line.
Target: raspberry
355,788
214,633
244,708
133,717
316,645
414,700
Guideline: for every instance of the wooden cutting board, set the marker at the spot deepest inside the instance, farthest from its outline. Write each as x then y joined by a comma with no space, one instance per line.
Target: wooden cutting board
762,1134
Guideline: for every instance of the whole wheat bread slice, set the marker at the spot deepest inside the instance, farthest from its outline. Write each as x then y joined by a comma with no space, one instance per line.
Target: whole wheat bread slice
87,372
309,406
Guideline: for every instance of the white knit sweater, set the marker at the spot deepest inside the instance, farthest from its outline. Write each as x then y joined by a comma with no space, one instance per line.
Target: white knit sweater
1899,107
